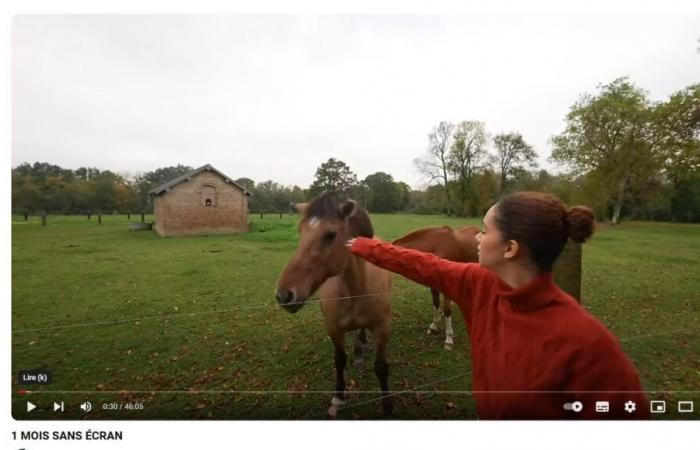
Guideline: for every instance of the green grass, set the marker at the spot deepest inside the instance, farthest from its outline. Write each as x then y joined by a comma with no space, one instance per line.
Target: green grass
197,315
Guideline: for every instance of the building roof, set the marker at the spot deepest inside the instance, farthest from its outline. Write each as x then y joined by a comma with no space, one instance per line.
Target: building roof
188,176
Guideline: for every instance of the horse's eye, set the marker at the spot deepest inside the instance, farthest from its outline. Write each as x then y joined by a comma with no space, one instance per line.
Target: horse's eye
329,236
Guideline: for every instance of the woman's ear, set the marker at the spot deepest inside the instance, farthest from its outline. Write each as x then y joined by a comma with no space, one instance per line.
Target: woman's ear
512,249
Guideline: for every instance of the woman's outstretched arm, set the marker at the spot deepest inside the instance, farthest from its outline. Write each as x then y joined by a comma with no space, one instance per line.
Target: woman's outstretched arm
453,279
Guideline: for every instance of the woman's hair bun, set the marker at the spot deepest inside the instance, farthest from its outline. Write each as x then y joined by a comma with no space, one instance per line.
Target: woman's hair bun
580,222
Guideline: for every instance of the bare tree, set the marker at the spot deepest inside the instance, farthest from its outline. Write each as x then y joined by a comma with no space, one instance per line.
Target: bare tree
512,152
434,163
467,156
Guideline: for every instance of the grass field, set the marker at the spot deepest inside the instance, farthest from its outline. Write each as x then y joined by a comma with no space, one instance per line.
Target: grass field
189,326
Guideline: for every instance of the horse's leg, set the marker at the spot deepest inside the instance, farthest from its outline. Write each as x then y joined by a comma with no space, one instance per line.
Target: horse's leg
437,315
381,367
340,359
447,307
361,348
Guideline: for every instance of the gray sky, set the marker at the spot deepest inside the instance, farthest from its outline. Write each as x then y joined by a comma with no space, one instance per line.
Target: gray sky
272,97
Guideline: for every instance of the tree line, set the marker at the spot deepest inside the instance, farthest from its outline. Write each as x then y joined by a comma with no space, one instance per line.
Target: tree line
622,154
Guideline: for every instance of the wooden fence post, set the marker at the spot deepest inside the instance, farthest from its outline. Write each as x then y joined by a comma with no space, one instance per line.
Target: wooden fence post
43,218
567,269
99,217
26,215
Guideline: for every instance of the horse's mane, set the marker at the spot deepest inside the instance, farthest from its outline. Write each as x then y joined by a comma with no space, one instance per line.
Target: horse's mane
329,205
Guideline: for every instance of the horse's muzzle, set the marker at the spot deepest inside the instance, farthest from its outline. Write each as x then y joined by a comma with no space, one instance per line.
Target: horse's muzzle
287,299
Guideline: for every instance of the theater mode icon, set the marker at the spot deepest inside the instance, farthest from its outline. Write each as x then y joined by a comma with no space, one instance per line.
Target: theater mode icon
658,406
685,406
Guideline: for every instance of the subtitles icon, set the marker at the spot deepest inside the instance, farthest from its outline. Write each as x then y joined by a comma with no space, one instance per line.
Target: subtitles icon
658,406
575,406
602,407
685,406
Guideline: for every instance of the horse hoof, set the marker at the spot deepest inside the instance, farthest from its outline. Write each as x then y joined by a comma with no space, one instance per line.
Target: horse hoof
431,331
335,404
333,412
448,346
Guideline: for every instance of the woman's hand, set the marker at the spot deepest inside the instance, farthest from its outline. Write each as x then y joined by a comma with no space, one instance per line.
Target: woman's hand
349,242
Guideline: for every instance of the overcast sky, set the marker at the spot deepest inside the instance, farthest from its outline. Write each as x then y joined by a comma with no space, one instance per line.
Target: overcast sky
273,97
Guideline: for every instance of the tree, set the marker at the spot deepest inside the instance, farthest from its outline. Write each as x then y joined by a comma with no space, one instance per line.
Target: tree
297,195
434,164
246,183
40,172
163,175
54,194
685,202
434,201
384,194
486,184
466,157
265,193
151,180
609,133
87,173
333,175
677,130
26,195
105,190
512,152
404,195
125,198
249,185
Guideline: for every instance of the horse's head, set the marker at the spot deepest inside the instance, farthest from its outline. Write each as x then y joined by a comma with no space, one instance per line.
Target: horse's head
327,223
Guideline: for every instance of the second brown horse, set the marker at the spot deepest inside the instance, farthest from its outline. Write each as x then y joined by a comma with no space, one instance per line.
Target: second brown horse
456,245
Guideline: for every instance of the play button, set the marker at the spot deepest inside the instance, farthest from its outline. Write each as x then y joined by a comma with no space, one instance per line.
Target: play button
30,406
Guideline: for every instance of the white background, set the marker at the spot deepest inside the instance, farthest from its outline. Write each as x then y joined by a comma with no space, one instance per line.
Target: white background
312,435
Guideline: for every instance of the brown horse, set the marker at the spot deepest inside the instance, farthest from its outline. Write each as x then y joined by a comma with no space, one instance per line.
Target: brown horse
459,245
354,294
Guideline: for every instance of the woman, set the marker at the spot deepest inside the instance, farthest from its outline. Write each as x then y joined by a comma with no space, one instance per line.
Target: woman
536,353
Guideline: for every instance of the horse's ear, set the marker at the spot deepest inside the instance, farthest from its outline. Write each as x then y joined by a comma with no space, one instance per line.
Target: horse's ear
301,207
357,219
348,208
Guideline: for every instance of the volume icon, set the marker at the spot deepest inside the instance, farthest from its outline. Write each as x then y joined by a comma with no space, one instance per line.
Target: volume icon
87,406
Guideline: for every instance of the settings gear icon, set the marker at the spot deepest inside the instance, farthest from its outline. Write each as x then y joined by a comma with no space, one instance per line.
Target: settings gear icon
630,406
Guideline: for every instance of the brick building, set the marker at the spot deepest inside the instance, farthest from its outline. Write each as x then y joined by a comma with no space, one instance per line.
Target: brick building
204,201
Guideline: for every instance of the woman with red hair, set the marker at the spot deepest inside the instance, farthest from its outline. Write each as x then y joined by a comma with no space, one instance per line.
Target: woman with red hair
536,353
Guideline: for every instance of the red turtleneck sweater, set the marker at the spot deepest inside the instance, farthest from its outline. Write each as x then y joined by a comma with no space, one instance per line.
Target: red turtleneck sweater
533,348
